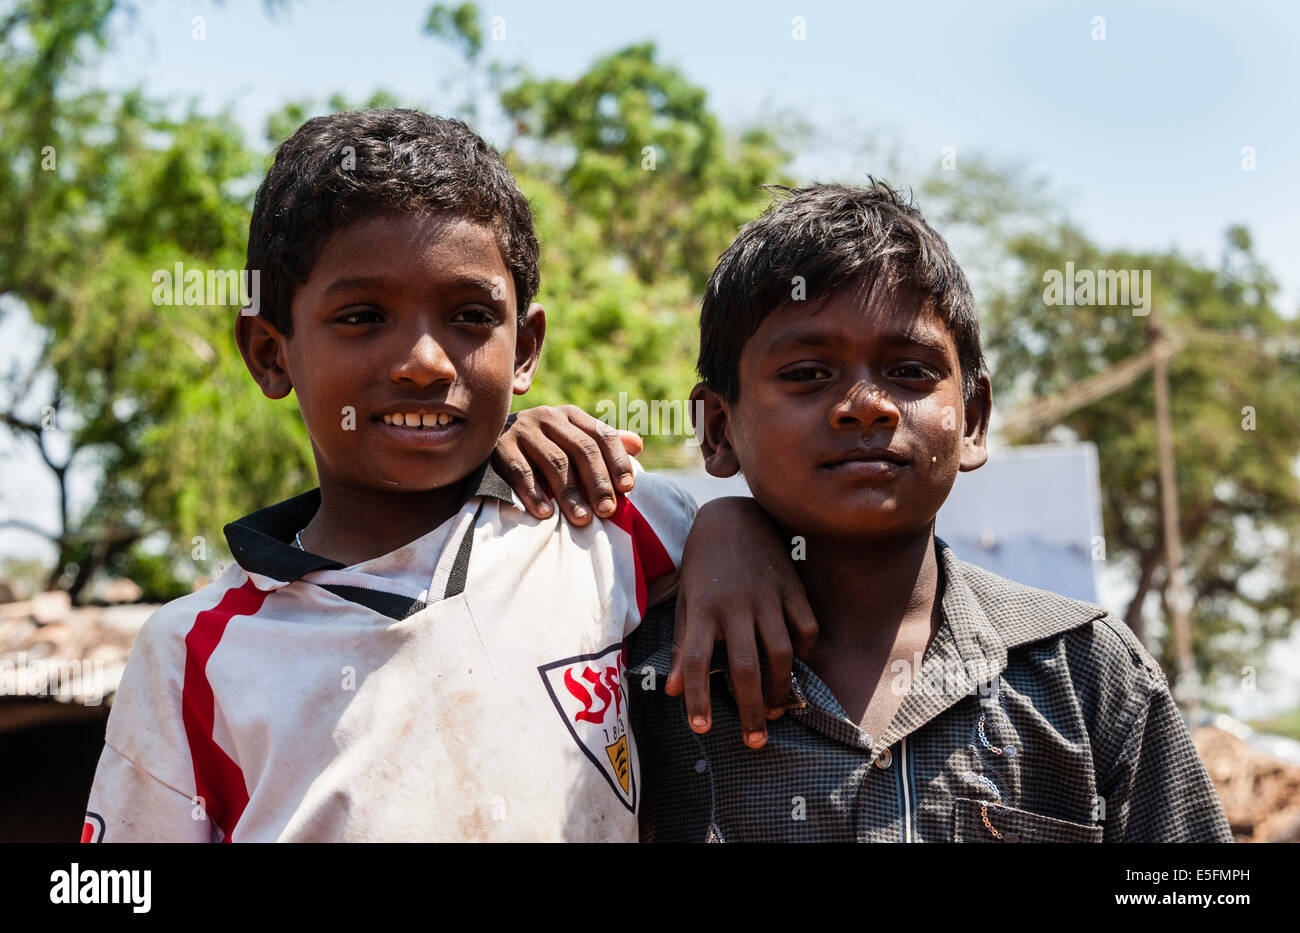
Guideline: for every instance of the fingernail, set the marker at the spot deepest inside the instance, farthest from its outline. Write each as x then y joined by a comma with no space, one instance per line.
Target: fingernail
699,722
605,506
579,512
755,738
774,713
625,481
544,508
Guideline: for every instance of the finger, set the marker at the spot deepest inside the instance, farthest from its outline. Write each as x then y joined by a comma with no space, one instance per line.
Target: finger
747,680
588,458
800,621
560,474
697,652
673,686
508,460
780,655
633,444
615,460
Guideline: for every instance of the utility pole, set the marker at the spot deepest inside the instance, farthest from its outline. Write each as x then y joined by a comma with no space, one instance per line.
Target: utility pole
1187,686
1043,413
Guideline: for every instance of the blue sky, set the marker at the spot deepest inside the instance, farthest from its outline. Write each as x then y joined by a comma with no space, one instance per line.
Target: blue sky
1140,133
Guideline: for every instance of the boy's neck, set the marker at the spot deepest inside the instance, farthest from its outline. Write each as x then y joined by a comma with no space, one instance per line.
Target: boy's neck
356,524
863,594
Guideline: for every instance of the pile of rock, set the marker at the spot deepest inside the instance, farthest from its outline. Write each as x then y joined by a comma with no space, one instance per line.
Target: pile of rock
60,662
1260,793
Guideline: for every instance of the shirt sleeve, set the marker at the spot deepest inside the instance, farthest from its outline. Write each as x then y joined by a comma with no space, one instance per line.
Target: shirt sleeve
144,786
655,517
128,804
1158,789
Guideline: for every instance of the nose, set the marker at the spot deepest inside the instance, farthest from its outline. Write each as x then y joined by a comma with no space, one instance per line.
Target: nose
864,405
425,364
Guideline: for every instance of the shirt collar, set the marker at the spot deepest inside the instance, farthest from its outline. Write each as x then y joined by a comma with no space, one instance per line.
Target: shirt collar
263,543
984,616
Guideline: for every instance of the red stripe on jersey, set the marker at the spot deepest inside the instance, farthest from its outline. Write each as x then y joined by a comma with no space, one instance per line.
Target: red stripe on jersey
217,779
648,552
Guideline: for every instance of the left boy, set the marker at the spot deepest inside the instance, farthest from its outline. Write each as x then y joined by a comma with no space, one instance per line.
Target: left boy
404,653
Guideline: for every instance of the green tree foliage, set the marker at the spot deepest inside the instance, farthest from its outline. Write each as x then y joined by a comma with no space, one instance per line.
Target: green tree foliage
634,145
458,25
1238,493
101,192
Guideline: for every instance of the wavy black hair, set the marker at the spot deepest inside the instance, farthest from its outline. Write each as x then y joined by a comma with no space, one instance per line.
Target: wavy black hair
834,237
345,167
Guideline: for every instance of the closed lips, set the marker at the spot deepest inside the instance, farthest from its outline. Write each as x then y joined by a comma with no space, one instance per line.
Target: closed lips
857,456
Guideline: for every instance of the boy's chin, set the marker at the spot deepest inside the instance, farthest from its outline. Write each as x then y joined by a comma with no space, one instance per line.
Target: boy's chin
862,525
413,477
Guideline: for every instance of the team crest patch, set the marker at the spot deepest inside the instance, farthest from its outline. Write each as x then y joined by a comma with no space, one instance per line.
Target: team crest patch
589,693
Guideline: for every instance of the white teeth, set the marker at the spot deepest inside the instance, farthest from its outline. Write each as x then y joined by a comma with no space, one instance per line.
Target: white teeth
417,420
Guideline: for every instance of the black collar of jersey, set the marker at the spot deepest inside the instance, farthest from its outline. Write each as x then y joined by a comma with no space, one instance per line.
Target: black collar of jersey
263,542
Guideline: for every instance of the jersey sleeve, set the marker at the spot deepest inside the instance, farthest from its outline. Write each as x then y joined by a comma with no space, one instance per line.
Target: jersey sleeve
654,520
128,804
143,789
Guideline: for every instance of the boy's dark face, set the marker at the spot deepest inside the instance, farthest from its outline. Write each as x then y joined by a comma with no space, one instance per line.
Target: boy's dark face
403,318
850,421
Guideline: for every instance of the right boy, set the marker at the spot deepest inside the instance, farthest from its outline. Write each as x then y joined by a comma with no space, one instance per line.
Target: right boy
941,702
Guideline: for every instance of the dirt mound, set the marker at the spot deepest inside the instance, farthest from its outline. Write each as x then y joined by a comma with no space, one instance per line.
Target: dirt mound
1260,793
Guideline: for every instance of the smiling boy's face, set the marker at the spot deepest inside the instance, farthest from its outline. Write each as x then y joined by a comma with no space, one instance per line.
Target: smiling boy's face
405,320
850,420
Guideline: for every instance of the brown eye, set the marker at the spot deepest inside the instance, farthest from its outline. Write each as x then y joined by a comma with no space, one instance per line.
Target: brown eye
484,317
912,371
804,374
358,316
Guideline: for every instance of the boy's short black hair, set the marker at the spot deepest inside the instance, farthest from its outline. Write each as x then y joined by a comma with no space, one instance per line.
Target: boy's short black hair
401,161
833,236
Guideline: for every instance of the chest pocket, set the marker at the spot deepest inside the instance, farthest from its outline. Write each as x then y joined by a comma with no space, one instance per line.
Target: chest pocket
1014,825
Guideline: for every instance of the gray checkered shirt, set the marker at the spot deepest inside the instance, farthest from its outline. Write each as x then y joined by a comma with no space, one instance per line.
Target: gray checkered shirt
1034,718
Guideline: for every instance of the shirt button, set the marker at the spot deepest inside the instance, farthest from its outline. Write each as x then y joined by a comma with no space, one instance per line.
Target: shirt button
885,760
701,766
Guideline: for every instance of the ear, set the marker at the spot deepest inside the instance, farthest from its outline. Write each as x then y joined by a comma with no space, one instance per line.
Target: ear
974,453
710,414
528,348
263,348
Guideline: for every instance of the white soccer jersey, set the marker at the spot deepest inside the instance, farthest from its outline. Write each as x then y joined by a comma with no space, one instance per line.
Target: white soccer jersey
469,686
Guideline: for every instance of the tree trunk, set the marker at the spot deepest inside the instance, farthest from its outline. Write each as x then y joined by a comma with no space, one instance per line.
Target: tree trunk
95,560
1149,562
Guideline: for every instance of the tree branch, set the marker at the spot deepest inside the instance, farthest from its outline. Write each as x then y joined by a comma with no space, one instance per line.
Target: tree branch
28,526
